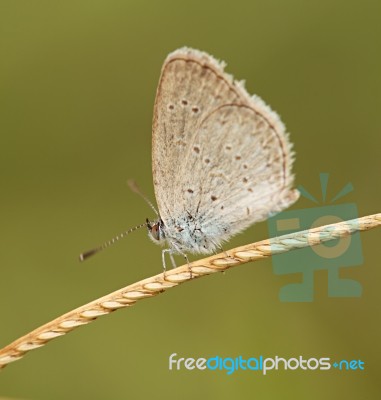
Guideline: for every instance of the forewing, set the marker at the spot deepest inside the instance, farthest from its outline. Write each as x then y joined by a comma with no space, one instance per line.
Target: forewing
190,88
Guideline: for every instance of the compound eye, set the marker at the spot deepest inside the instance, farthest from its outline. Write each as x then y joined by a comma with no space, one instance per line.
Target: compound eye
155,232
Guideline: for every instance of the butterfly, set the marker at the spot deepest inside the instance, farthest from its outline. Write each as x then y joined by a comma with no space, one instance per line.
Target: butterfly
221,158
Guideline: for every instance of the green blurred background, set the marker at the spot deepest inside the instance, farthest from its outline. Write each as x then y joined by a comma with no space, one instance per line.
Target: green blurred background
77,86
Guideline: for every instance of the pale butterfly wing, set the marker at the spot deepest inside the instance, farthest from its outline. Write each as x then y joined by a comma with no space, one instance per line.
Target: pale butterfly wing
221,159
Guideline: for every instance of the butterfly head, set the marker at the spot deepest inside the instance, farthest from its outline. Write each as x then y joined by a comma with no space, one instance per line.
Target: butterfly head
156,231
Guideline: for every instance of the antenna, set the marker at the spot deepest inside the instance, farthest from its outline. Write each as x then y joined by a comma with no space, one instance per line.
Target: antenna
84,256
135,188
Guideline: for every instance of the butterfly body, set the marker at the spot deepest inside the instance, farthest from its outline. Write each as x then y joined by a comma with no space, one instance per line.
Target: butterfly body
191,234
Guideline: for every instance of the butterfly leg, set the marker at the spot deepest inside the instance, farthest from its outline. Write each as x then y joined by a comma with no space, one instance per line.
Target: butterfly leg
189,267
172,259
178,251
163,259
170,252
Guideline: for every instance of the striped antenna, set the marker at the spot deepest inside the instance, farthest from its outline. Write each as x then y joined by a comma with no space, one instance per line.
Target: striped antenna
135,188
84,256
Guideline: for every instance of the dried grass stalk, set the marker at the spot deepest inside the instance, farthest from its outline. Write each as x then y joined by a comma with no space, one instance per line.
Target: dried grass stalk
154,285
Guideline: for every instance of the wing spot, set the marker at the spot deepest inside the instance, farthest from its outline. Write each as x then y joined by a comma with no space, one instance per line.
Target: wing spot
228,147
171,106
184,102
214,198
244,166
250,190
196,149
222,207
195,109
237,157
244,180
190,191
207,161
